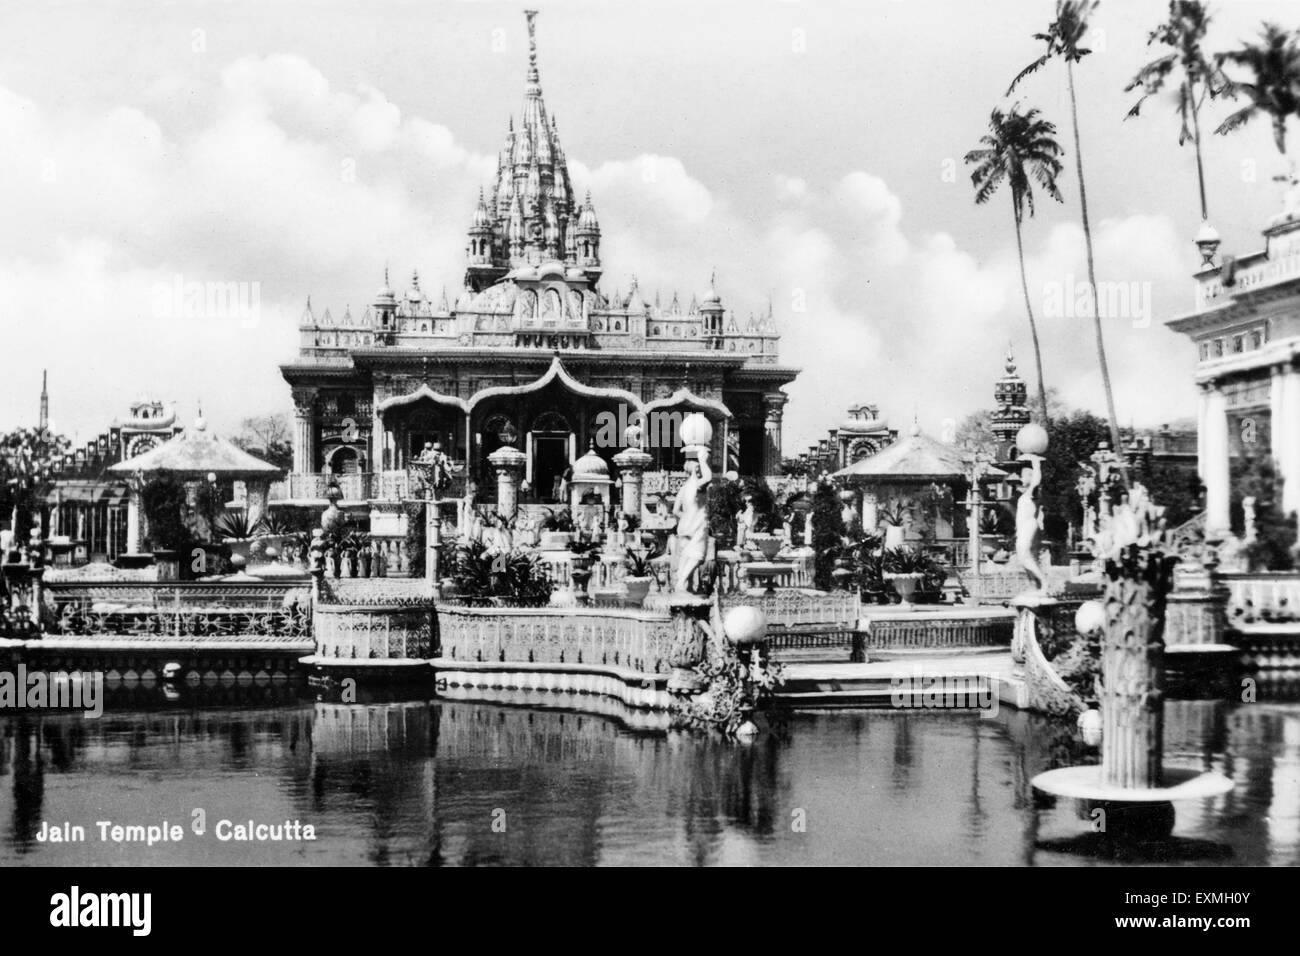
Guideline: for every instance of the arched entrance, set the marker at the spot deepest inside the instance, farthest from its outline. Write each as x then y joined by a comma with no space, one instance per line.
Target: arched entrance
551,446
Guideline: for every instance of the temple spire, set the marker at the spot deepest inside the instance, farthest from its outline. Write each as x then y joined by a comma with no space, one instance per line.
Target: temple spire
45,403
533,77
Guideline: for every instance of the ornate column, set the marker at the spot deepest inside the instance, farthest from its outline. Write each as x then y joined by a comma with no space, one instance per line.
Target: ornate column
870,511
135,520
432,541
1215,474
632,463
509,464
257,491
1285,408
304,432
773,410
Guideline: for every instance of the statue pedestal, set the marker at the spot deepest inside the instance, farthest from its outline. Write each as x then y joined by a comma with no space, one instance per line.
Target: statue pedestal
1033,613
690,617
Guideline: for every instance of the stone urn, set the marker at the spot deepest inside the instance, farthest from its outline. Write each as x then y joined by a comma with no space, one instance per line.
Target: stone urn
768,545
638,589
905,583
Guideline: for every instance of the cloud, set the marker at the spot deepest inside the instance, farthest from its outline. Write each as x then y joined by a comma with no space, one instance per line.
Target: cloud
285,181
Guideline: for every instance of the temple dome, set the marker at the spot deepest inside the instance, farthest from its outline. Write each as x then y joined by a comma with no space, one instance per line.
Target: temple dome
589,466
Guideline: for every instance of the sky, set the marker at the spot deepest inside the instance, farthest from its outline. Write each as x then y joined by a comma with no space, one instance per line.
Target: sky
809,152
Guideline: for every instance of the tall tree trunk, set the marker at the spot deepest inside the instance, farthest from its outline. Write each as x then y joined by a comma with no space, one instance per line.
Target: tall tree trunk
1029,311
1196,143
1092,284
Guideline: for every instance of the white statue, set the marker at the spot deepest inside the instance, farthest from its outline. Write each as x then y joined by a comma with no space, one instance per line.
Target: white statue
1029,526
745,522
692,513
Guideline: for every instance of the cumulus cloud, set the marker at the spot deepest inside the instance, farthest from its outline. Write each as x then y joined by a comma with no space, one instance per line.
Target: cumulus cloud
290,182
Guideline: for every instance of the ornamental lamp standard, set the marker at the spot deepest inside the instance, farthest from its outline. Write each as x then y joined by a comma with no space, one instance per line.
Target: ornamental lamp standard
696,433
1207,240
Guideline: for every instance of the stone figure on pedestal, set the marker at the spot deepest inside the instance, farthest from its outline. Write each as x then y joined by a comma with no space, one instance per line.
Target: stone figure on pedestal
745,522
691,510
1029,527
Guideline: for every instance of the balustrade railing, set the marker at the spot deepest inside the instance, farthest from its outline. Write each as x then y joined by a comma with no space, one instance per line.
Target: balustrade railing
638,640
1263,596
178,609
393,485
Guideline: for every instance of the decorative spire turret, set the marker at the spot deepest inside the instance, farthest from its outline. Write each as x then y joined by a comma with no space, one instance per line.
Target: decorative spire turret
1012,412
533,216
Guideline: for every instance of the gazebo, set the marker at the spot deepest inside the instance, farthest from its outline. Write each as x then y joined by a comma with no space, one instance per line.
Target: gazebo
909,470
195,455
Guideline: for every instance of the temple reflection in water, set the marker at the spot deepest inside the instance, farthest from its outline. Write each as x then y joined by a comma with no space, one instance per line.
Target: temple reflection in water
452,783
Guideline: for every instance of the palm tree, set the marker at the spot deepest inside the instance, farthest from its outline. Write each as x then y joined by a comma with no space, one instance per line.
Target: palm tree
1274,66
1019,147
1183,32
1064,38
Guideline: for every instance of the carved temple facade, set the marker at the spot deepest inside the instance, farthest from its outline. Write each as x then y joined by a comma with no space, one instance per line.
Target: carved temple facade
1246,327
533,354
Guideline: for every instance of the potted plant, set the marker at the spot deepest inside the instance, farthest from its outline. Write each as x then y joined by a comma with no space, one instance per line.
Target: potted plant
913,573
766,544
234,529
557,529
583,554
639,576
893,515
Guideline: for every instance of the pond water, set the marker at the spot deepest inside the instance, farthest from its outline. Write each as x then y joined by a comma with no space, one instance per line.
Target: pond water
459,783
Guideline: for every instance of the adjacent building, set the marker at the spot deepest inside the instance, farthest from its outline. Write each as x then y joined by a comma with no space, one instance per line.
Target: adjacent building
1246,328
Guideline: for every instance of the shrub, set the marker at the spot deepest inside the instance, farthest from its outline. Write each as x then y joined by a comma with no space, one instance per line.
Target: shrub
415,540
828,534
163,498
235,524
517,575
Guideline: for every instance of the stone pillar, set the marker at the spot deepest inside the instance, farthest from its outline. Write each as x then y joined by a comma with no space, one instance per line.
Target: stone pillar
256,491
509,464
773,408
1285,408
1196,612
1215,475
432,540
1202,405
631,464
304,444
870,512
135,520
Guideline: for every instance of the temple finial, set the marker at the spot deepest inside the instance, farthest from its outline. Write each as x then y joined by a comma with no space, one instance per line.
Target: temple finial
532,45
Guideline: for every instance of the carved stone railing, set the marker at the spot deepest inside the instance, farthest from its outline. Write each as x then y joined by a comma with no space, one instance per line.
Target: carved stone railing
638,640
177,609
1256,273
802,608
371,592
662,482
1263,596
392,548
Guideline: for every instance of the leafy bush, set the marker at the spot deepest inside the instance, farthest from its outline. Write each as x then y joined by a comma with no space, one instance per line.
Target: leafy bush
235,524
638,562
560,521
415,539
517,575
163,498
767,517
828,534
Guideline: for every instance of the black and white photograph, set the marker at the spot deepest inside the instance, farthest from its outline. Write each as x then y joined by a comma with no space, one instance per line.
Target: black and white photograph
748,433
